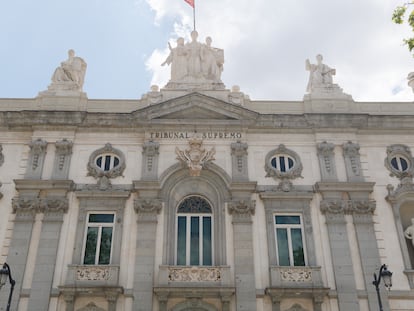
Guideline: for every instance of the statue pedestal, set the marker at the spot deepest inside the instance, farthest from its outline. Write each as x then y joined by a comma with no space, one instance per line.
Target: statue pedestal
328,99
62,100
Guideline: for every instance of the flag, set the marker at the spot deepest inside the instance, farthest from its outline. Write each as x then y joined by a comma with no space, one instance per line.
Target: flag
190,2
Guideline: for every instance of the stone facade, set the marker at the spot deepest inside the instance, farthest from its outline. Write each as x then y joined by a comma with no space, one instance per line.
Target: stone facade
203,199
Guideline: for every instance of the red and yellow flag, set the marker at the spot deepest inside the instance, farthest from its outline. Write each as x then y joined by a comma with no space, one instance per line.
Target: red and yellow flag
190,2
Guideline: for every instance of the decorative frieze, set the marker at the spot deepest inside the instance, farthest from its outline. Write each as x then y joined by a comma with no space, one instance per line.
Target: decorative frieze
93,273
196,157
40,205
194,274
333,206
297,275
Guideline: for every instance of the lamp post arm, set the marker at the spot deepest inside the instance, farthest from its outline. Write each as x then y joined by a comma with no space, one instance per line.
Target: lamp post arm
12,283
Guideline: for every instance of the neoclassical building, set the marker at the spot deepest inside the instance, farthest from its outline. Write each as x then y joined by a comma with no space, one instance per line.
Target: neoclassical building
197,198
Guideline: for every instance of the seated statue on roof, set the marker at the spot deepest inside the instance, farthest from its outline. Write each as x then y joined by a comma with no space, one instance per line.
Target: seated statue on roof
320,75
70,74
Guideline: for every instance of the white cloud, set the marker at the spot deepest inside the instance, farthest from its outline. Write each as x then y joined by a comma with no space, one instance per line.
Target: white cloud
266,43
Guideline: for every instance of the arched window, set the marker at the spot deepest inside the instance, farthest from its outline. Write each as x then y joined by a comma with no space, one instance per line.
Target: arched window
194,232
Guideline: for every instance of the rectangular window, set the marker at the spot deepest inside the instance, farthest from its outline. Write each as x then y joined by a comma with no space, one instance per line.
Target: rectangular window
194,240
289,240
98,240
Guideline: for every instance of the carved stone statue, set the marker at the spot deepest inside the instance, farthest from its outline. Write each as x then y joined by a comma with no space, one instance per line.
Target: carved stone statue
178,60
320,74
195,65
409,232
70,74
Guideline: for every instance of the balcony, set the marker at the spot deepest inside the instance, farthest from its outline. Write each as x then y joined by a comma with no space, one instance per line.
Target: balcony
292,277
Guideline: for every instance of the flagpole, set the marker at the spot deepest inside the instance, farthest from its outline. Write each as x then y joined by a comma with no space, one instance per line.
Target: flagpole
194,14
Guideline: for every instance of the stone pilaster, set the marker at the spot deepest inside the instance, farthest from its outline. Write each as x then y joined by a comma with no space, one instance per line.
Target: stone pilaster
368,249
63,155
25,210
53,209
334,210
147,211
239,161
242,211
36,159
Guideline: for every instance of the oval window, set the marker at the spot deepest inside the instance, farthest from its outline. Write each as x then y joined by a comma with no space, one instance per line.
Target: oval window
399,163
106,162
283,163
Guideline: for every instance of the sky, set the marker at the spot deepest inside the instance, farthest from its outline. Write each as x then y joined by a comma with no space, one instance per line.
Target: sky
265,42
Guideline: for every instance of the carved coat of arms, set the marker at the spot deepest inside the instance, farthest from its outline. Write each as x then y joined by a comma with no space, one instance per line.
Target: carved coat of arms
196,156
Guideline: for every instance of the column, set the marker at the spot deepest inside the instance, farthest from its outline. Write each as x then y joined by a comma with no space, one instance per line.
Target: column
147,210
241,212
54,209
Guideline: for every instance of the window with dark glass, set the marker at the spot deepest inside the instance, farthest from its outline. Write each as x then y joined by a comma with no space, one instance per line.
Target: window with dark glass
282,163
194,232
399,163
289,240
99,237
107,162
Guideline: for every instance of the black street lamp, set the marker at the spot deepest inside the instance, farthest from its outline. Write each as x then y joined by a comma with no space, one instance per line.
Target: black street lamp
386,275
5,274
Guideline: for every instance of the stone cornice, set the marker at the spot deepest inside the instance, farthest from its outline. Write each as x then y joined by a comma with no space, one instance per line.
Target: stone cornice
287,196
35,184
324,187
25,120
